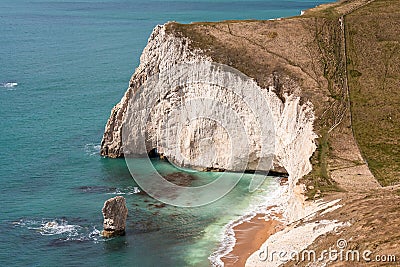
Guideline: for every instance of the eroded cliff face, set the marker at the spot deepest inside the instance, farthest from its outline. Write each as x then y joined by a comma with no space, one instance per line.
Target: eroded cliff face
292,117
161,52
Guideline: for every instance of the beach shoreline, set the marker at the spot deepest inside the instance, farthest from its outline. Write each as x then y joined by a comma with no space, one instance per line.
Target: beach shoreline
249,237
245,235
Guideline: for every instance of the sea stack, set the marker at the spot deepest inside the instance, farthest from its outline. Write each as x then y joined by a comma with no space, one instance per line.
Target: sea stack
114,213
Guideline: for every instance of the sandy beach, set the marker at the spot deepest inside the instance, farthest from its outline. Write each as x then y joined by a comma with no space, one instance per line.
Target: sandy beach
250,235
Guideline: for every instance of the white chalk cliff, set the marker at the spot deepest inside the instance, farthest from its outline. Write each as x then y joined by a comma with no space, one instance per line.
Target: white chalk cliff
292,119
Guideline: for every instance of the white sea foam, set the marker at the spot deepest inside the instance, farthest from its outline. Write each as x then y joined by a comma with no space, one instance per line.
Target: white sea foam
55,228
271,204
8,84
92,149
50,227
130,190
61,228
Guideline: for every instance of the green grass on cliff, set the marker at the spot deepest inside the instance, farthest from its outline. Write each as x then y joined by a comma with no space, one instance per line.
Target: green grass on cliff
373,61
318,181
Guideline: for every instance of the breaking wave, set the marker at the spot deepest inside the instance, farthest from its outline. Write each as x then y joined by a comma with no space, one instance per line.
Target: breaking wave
62,229
130,190
8,84
92,149
228,240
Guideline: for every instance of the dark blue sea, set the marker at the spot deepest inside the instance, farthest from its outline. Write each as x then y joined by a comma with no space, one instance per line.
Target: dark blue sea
63,66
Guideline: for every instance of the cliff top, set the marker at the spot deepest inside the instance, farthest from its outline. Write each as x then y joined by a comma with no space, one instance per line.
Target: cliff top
326,50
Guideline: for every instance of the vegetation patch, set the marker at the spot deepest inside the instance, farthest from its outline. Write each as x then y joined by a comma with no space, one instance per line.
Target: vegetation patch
355,73
319,182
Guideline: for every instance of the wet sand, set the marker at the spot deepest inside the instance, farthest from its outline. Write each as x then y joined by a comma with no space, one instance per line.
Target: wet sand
250,236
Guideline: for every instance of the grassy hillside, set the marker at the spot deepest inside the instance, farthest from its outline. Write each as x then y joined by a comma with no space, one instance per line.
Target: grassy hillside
373,58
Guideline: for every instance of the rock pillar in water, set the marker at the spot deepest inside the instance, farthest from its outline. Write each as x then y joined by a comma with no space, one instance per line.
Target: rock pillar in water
114,213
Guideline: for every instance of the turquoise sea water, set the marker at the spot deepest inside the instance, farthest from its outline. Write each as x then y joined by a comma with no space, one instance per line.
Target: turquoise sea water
72,61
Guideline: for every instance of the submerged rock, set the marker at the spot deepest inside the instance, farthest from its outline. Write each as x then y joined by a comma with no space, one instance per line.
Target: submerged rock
180,178
114,213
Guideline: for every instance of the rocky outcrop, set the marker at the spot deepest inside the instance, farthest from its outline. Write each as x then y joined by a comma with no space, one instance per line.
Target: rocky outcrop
114,213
